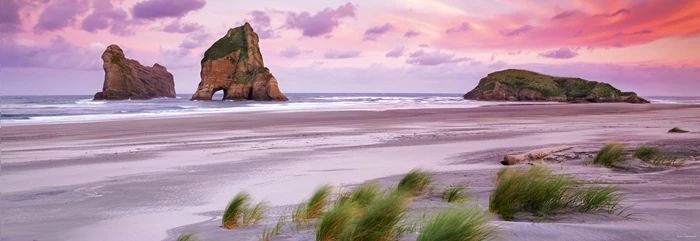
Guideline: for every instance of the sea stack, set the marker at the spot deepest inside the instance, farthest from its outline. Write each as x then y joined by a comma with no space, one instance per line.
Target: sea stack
234,64
128,79
524,85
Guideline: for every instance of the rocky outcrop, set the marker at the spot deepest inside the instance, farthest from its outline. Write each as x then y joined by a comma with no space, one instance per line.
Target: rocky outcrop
128,79
523,85
234,64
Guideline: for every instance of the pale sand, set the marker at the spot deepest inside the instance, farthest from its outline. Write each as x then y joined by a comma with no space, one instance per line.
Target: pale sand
150,179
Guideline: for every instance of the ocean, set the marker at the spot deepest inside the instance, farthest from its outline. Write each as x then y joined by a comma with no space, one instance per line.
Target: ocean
80,108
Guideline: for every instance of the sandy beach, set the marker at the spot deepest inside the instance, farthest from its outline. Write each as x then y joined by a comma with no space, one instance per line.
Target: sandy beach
151,179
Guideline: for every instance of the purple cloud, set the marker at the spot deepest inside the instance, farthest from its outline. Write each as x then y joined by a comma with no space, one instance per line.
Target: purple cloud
154,9
179,27
290,52
562,53
462,27
9,16
261,23
411,34
396,52
567,14
321,23
421,57
374,33
341,54
516,31
59,14
57,54
104,16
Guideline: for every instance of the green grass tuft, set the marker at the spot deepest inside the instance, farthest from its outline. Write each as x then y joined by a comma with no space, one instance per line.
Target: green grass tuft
538,191
453,194
595,199
268,233
318,201
187,237
252,215
362,195
380,221
457,225
610,155
234,211
415,182
647,153
677,130
336,221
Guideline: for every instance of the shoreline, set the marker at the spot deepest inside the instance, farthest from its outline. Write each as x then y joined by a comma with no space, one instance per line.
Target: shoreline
79,180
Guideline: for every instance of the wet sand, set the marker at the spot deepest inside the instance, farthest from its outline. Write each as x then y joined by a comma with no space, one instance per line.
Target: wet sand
150,179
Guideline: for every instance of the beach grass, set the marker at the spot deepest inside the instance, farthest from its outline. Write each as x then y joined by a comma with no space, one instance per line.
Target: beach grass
667,161
538,191
453,194
313,207
252,215
647,153
457,225
235,210
380,221
677,130
299,217
594,199
362,195
610,155
337,220
187,237
268,233
415,182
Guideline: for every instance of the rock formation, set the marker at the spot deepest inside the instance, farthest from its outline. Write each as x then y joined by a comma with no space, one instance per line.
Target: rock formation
234,64
523,85
128,79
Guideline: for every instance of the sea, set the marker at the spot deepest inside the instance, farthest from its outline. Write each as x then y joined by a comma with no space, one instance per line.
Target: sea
20,110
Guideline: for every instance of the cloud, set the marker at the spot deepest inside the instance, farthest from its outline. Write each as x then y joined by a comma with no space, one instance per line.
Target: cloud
9,16
261,23
396,52
374,33
104,16
57,54
411,34
436,57
155,9
176,26
59,14
516,31
462,27
320,23
290,52
562,53
341,54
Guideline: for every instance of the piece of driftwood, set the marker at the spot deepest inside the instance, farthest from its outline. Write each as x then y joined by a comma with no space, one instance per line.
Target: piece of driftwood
514,159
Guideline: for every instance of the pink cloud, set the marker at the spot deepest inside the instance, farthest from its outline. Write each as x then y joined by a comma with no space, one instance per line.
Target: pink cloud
436,57
462,27
411,34
154,9
377,31
177,26
60,14
396,52
562,53
9,16
341,54
320,23
290,52
104,16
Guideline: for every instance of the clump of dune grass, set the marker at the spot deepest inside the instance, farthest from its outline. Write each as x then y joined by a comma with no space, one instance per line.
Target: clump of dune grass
337,220
187,237
677,130
647,153
667,161
380,221
362,195
313,207
253,214
235,210
610,155
457,225
268,233
595,199
415,182
540,192
453,194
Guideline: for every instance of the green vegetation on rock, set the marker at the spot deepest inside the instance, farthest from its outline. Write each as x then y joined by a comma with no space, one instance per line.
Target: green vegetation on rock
235,40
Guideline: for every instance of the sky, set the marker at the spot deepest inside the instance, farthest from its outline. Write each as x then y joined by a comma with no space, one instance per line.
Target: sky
51,47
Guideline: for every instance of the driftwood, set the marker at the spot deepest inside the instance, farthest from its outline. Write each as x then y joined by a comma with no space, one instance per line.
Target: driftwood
513,159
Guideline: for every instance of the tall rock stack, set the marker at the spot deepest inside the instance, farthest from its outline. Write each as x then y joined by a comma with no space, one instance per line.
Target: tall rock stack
234,64
128,79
